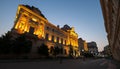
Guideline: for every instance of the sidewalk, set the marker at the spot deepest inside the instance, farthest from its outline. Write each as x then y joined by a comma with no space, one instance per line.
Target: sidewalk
114,62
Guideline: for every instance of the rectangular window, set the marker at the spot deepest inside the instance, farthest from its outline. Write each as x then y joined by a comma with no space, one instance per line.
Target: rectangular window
61,40
33,22
53,38
65,42
53,30
57,39
47,28
31,30
46,37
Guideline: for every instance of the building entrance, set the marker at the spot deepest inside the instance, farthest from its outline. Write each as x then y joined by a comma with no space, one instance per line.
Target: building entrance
31,30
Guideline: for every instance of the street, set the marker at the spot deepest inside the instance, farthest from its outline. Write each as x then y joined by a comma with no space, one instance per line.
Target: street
58,64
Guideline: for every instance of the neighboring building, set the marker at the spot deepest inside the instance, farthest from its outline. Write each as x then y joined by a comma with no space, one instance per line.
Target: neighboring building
30,20
107,51
111,14
82,45
92,48
85,46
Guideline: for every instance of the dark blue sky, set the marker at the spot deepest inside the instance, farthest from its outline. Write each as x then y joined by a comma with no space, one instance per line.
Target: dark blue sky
84,15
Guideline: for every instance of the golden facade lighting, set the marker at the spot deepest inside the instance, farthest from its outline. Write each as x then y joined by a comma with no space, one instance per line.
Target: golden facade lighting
28,20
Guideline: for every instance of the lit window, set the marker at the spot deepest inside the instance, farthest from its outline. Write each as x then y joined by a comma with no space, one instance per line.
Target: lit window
34,19
55,40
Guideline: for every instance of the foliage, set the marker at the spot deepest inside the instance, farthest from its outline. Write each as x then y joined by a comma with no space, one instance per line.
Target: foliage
5,43
43,50
52,50
18,45
57,50
22,45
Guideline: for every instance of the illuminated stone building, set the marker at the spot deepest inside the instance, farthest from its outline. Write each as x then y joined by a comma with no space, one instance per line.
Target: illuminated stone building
82,45
111,14
30,20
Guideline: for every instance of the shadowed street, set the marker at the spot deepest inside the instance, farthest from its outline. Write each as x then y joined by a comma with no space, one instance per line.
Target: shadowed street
55,64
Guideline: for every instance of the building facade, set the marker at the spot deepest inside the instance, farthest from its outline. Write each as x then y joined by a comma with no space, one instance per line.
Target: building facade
107,51
82,45
30,20
111,14
92,48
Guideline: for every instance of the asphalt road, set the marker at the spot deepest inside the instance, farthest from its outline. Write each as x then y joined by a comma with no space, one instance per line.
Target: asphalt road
58,64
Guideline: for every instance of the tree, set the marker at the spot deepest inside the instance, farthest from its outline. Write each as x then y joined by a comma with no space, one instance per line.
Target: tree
19,45
22,44
6,43
56,50
52,50
43,50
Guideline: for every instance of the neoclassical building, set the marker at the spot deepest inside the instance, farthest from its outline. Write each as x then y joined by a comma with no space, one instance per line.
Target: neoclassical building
30,20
